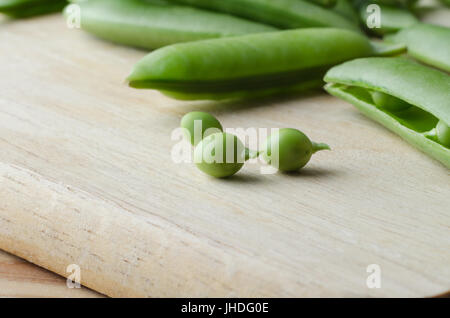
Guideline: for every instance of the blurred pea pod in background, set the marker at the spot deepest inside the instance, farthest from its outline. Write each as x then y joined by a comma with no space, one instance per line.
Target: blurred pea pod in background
324,3
427,43
285,14
28,8
347,10
392,18
153,24
392,3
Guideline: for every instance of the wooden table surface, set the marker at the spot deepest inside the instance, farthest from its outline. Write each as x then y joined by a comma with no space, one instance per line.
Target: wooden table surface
86,178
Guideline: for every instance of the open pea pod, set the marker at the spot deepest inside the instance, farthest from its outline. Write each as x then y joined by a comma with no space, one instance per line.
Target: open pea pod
427,43
285,14
27,8
408,98
152,24
252,65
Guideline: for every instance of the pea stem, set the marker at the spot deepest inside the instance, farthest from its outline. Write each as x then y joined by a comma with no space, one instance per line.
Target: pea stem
320,146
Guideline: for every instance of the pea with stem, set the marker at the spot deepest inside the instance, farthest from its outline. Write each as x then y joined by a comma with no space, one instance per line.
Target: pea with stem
290,150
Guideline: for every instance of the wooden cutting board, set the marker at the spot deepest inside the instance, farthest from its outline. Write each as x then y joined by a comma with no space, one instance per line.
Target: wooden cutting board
86,178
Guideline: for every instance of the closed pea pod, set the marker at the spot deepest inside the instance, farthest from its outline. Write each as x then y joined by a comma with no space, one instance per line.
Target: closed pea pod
152,24
286,14
424,124
250,65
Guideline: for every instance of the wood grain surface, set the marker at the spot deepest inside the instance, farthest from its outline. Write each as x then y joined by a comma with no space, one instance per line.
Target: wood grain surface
87,178
19,278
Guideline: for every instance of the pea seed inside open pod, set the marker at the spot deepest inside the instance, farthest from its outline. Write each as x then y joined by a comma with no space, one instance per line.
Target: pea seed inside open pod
443,133
290,150
389,102
198,125
220,155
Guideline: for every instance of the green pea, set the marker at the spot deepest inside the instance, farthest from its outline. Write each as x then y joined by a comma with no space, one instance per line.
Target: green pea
154,23
220,155
290,150
28,8
199,125
389,102
443,133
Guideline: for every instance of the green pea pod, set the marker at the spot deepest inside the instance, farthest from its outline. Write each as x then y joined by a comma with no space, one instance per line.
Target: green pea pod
324,3
248,66
28,8
392,19
426,90
427,43
392,3
346,9
285,14
153,24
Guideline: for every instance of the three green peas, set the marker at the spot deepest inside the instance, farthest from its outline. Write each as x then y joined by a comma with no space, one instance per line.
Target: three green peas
221,154
394,104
